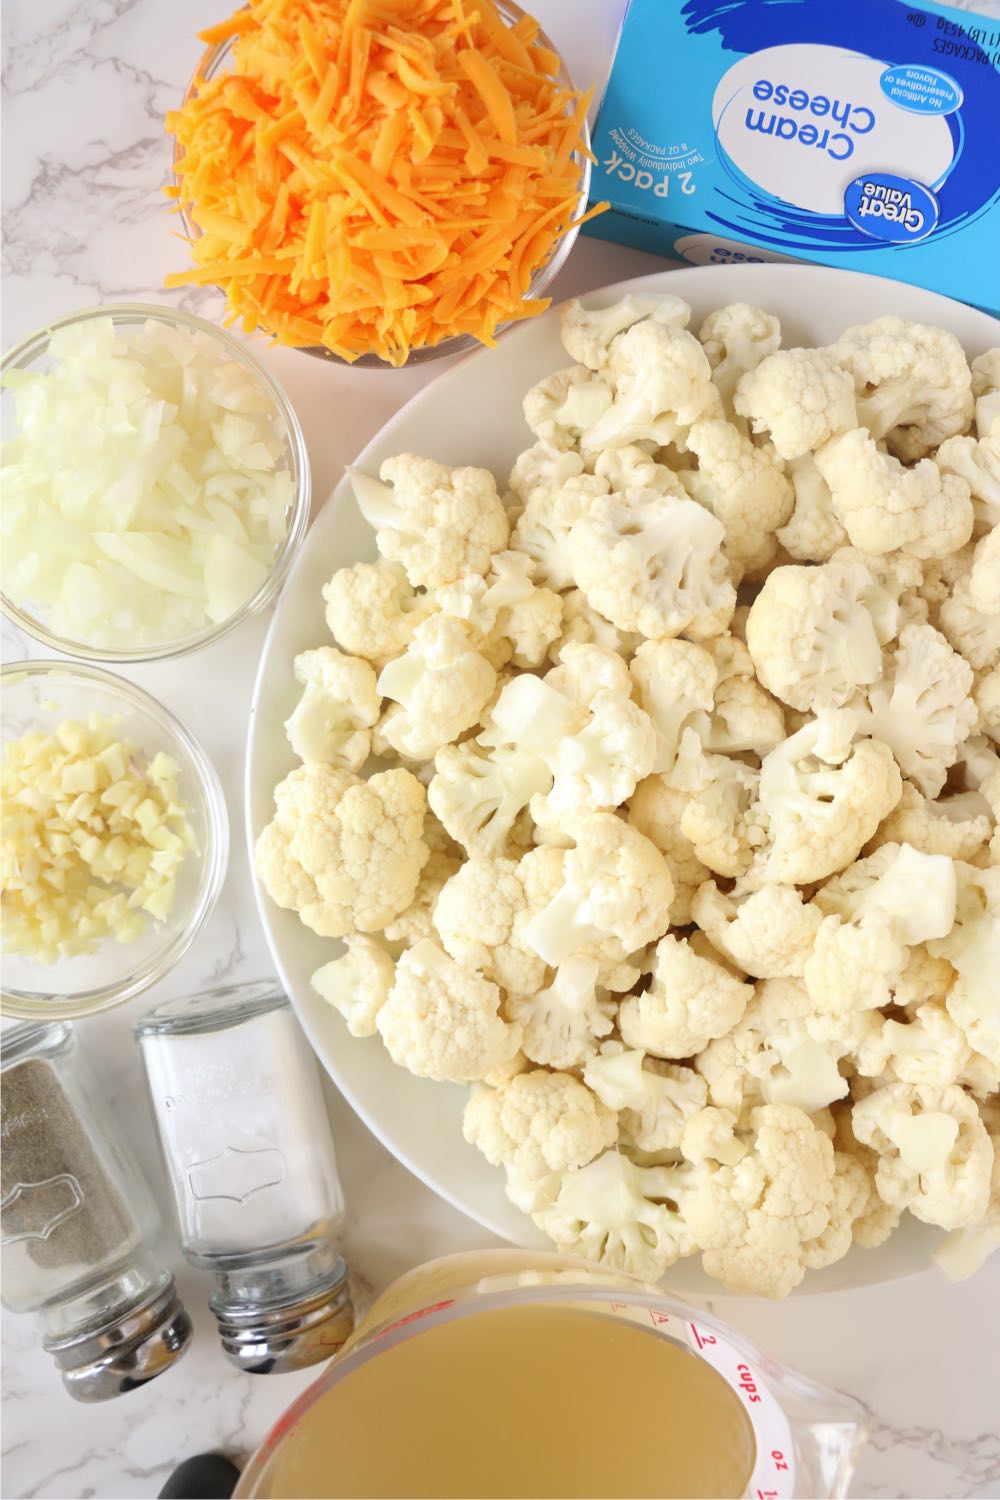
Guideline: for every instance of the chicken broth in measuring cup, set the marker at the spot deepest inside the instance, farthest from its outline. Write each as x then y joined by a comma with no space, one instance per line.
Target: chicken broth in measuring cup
536,1400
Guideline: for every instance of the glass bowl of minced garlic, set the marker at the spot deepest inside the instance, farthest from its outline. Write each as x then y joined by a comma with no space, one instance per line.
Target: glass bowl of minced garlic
115,840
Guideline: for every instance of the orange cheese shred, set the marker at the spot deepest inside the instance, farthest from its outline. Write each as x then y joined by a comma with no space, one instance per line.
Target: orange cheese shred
376,176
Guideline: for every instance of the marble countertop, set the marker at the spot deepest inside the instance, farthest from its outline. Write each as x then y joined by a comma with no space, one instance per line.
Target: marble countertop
86,85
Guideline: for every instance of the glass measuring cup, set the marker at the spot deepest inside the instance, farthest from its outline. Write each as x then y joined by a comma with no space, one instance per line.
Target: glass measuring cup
718,1417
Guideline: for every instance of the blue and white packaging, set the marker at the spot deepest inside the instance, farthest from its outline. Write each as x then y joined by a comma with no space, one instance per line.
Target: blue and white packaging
855,133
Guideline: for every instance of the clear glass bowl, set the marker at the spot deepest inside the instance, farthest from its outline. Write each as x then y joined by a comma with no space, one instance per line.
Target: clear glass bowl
40,695
32,354
215,58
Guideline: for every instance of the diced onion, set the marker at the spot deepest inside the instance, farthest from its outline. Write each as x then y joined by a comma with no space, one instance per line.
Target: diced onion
146,493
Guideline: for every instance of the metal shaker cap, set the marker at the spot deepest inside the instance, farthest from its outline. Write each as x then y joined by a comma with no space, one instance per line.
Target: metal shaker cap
268,1338
125,1352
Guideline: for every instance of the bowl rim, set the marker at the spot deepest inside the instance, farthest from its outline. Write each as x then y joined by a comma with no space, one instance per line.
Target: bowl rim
460,343
213,860
125,314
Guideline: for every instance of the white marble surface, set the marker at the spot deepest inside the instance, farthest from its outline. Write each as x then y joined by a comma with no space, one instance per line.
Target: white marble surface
86,84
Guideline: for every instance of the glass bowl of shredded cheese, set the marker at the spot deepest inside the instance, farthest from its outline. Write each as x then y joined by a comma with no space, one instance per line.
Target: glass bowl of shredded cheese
457,195
156,484
115,840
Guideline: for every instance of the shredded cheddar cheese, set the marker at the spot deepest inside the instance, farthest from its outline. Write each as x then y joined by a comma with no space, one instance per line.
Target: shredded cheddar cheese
374,176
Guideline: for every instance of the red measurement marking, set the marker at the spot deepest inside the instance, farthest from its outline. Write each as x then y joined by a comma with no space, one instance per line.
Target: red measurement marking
779,1458
618,1306
767,1494
413,1317
659,1317
697,1337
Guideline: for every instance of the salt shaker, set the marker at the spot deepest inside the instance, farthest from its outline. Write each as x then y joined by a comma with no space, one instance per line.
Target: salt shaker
76,1223
247,1147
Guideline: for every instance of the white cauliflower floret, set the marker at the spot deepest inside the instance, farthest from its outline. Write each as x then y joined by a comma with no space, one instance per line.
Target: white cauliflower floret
600,763
736,338
690,1000
654,1100
753,1220
510,619
561,407
984,575
663,383
851,1198
442,684
587,332
965,1250
481,790
986,695
581,622
744,486
656,810
922,708
768,934
440,523
357,984
811,634
476,915
801,397
538,1123
911,381
813,533
884,506
541,470
928,1049
973,633
417,920
542,531
442,1021
620,1215
653,564
632,468
675,682
773,1056
563,1022
951,826
345,854
614,896
972,947
332,721
916,892
372,610
823,798
481,793
892,600
744,716
978,463
853,965
720,816
986,392
935,1155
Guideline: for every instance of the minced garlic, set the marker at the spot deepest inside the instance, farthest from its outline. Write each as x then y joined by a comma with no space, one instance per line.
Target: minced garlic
93,838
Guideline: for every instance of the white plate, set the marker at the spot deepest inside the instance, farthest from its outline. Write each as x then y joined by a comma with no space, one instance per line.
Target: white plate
472,415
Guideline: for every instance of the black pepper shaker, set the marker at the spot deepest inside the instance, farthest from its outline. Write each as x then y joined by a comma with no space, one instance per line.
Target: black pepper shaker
76,1223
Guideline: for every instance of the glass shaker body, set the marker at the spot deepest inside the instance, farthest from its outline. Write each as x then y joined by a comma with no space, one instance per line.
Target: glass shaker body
247,1147
77,1222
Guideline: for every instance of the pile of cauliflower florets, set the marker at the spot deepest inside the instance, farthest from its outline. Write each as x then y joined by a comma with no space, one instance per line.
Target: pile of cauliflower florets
684,848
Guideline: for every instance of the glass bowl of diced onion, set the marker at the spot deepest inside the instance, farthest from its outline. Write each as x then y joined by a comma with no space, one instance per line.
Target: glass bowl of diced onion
102,896
147,511
216,57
